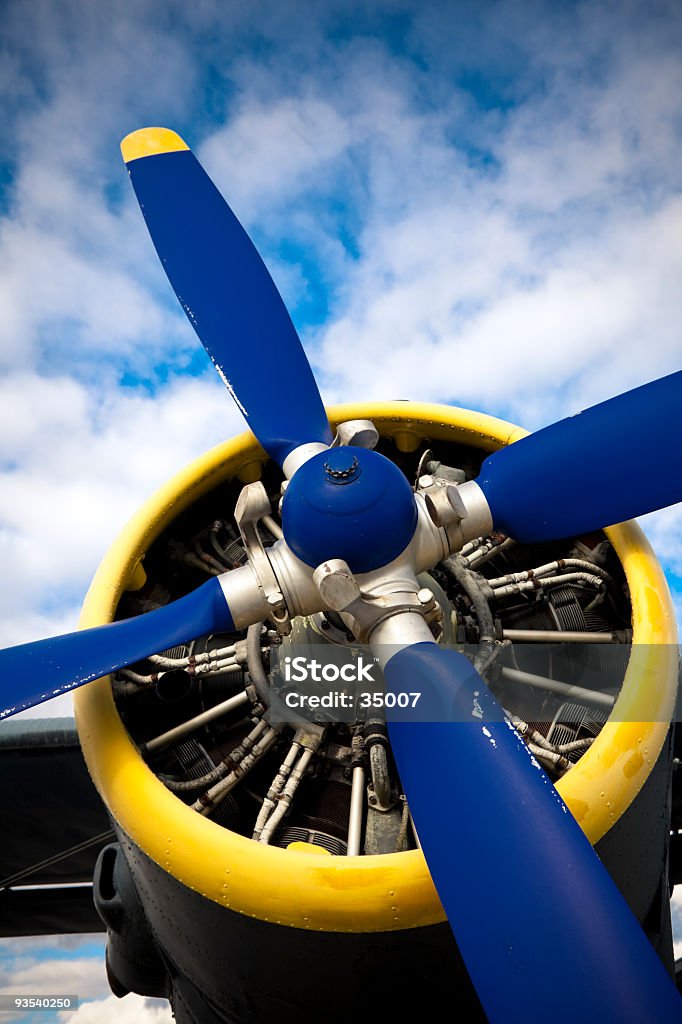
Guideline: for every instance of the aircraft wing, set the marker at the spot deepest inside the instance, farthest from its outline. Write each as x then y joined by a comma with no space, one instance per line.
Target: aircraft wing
53,825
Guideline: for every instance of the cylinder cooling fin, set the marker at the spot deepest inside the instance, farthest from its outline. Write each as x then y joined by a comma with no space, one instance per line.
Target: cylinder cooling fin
305,822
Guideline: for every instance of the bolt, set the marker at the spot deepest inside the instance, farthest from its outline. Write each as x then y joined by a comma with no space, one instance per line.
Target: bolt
341,465
425,481
425,597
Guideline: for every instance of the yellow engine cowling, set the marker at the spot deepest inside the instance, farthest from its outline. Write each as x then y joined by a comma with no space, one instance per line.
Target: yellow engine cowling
314,893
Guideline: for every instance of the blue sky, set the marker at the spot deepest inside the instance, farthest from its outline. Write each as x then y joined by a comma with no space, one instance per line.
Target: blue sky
468,203
474,203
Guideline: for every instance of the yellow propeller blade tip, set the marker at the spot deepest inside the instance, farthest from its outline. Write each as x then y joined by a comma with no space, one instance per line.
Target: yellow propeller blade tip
150,142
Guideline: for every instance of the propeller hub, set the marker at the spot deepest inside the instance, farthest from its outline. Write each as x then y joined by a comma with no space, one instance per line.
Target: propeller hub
349,503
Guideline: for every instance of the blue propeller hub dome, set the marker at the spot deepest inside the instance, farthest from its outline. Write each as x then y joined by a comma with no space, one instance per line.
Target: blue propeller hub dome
349,503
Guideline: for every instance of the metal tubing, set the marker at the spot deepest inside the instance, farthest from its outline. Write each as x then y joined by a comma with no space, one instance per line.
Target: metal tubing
254,662
550,636
189,558
564,689
276,788
273,526
204,668
550,569
357,805
479,556
209,778
198,659
212,797
550,757
547,581
287,796
195,723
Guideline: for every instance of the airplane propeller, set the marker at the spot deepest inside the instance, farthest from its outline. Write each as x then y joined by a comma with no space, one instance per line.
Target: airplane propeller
68,661
615,461
227,293
535,914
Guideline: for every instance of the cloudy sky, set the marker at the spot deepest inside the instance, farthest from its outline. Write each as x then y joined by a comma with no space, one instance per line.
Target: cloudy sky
469,202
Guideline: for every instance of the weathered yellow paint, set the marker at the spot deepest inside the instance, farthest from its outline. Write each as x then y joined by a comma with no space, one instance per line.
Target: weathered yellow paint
151,142
606,780
380,893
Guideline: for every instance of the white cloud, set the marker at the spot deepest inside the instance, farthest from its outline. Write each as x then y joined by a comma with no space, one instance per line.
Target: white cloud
664,530
82,977
37,965
78,465
523,258
84,299
275,148
33,964
133,1009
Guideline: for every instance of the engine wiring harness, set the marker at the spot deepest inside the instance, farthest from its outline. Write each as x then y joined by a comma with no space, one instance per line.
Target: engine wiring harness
536,620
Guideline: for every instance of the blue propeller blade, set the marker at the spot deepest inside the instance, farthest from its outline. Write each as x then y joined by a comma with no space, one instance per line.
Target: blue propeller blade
226,292
615,461
36,672
535,914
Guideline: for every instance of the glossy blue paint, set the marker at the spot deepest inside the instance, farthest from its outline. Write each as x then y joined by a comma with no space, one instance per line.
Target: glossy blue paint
535,913
349,503
231,301
36,672
613,462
